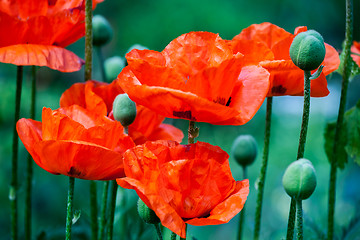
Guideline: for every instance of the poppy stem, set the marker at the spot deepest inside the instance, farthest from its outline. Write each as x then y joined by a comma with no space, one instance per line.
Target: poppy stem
93,210
158,231
299,219
173,236
242,213
69,214
101,63
291,220
88,40
265,157
113,187
340,121
193,132
103,209
15,146
29,168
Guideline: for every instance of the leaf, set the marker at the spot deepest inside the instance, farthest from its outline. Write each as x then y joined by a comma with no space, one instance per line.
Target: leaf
329,135
352,118
353,67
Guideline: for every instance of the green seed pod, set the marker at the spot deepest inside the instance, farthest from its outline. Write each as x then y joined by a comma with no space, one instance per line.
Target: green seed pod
124,109
307,50
102,31
146,214
113,67
244,150
299,179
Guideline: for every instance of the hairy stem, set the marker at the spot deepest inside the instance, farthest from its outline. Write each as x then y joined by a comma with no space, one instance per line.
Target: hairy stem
299,219
69,214
291,220
261,182
88,40
103,209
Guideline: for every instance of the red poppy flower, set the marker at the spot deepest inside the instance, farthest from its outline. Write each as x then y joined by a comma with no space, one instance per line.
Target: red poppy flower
270,46
76,142
196,77
35,32
99,97
184,183
355,48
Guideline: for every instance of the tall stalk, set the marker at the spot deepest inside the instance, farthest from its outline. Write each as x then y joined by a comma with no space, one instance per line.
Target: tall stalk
261,182
340,121
113,188
15,146
69,214
88,40
29,169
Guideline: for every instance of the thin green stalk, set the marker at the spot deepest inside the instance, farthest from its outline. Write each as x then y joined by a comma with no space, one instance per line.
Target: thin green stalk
173,236
261,182
101,63
340,120
69,215
93,210
113,187
29,169
299,219
242,213
88,40
193,132
291,220
103,209
158,231
15,146
305,117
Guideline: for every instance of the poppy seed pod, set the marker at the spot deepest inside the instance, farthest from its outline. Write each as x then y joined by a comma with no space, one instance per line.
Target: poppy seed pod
102,31
146,214
307,50
124,109
299,179
113,67
244,150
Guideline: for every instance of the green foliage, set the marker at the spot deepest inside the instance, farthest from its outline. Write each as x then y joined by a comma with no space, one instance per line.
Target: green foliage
353,67
329,135
352,118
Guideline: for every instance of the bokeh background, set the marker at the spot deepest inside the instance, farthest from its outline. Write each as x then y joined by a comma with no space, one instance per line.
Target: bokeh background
154,24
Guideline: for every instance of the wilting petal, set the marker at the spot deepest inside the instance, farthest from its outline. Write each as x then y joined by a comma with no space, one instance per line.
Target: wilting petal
41,55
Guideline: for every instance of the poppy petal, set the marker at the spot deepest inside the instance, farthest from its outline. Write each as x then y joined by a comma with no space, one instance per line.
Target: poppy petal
331,61
41,55
166,132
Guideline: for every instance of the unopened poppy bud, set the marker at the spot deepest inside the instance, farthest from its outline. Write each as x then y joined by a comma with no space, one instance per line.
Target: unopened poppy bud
146,213
307,50
244,150
299,179
102,31
124,109
113,67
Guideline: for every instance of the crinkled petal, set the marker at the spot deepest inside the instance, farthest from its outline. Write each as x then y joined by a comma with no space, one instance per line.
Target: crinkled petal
41,55
254,51
166,132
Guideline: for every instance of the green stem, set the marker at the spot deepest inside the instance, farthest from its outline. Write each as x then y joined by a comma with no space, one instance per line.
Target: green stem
113,187
103,209
173,236
158,231
193,132
101,63
340,120
29,169
93,210
299,219
291,220
242,213
15,146
261,182
88,40
69,214
305,117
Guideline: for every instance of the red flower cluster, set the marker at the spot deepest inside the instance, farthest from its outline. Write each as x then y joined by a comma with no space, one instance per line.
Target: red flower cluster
35,32
184,183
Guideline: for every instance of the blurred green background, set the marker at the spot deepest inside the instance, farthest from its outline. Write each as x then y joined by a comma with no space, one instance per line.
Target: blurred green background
154,24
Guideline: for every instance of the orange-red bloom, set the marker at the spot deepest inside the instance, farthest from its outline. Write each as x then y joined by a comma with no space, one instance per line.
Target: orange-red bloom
35,32
76,142
98,97
196,77
184,183
268,45
355,48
